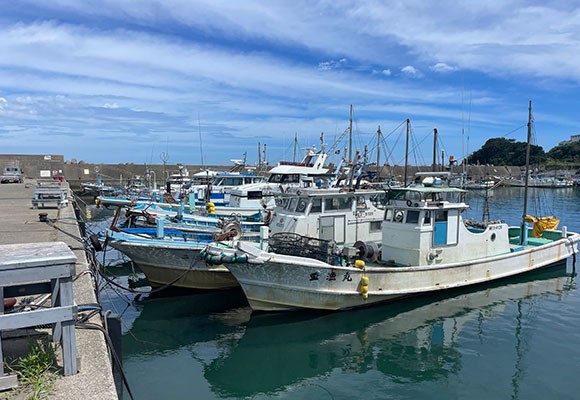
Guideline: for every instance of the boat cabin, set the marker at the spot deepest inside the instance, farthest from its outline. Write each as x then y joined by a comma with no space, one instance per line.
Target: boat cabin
220,187
286,176
424,226
331,214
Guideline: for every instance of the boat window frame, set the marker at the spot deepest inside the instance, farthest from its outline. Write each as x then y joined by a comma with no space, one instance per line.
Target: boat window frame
399,215
412,217
302,205
316,205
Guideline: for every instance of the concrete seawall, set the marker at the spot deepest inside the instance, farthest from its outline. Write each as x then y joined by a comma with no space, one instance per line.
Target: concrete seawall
21,224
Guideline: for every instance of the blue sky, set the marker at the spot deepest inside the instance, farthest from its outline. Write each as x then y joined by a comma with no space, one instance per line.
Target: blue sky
119,81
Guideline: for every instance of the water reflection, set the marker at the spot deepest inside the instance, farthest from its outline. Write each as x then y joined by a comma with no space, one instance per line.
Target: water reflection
178,319
412,341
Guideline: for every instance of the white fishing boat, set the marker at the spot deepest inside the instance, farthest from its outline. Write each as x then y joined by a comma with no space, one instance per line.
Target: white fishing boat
170,257
286,176
425,247
170,253
218,190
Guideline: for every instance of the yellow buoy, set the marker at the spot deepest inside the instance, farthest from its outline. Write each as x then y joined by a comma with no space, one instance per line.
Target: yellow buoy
364,286
210,207
359,264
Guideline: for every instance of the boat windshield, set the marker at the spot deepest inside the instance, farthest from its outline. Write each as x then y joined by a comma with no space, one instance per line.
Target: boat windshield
284,178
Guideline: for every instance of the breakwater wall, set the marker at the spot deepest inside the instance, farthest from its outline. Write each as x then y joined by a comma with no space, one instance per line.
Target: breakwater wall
36,166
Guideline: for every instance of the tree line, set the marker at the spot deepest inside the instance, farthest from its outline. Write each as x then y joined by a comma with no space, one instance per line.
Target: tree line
502,151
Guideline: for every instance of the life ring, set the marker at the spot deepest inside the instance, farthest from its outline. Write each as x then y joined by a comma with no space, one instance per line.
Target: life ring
409,203
267,217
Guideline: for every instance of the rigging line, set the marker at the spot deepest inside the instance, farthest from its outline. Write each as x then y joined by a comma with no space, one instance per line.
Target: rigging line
515,130
397,141
417,155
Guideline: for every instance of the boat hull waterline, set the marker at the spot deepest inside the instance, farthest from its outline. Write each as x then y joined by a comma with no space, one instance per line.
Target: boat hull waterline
176,265
274,282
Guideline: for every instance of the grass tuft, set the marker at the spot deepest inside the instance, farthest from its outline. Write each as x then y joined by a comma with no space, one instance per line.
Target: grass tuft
36,371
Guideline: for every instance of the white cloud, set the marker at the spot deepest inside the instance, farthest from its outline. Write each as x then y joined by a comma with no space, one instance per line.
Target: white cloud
442,68
386,72
411,71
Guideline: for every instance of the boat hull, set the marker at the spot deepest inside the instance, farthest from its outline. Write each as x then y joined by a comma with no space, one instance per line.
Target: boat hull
177,266
274,282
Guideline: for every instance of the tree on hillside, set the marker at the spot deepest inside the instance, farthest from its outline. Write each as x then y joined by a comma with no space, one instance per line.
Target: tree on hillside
502,151
569,152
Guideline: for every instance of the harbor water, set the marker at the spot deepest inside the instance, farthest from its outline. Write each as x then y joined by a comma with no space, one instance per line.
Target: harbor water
517,338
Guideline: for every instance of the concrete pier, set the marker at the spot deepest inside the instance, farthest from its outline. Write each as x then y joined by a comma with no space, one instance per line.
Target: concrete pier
20,224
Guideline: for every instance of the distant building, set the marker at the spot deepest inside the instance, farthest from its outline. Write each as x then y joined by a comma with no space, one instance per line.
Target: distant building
573,138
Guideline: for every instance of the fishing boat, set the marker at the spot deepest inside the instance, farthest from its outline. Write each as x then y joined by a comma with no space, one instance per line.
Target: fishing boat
169,254
218,190
426,247
286,176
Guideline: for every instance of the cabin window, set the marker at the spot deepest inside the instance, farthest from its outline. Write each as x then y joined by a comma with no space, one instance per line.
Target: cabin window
340,203
375,226
427,219
440,216
398,215
254,194
302,203
412,216
361,203
316,205
292,204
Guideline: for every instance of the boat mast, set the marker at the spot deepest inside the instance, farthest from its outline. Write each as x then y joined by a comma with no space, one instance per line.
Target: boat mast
379,146
295,145
528,146
434,166
407,151
350,137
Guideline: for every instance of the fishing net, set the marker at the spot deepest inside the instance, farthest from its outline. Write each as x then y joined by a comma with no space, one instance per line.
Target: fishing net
292,244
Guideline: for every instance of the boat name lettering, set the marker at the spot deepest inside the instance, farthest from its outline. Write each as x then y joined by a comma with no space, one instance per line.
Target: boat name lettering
331,276
314,276
495,227
347,277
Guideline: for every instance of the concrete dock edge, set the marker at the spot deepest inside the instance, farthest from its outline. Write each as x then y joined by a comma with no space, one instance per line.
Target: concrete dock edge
21,224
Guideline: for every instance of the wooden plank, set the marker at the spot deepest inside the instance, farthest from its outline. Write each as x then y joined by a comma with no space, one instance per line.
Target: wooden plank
69,344
35,254
8,382
38,317
36,274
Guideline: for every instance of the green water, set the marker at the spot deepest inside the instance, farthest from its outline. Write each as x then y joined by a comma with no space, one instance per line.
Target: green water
514,339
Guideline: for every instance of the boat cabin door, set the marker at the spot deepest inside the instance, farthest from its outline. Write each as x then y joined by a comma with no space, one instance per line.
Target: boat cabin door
446,229
333,228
